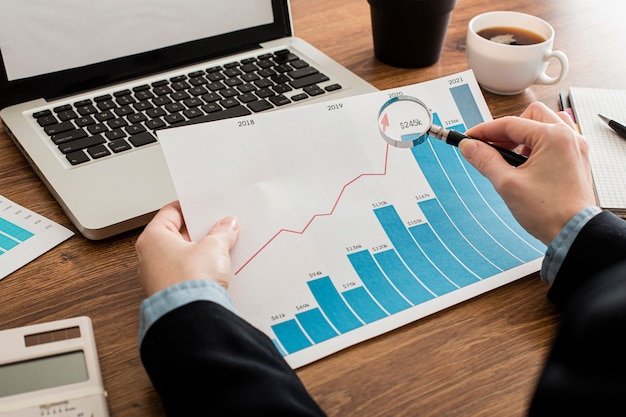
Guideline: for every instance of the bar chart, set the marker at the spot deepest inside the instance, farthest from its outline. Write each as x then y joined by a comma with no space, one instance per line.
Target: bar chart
342,237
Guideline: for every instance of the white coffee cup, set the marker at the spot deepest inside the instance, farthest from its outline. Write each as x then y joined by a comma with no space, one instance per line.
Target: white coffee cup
509,69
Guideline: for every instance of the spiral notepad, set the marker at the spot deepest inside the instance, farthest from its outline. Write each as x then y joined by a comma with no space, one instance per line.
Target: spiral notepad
607,150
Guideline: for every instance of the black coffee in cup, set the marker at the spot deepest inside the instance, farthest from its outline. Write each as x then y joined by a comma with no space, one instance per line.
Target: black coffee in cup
511,36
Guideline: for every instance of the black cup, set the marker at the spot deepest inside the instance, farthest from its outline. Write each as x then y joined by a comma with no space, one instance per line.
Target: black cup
410,33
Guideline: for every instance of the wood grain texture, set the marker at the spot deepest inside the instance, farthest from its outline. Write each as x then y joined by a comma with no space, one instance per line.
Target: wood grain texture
479,358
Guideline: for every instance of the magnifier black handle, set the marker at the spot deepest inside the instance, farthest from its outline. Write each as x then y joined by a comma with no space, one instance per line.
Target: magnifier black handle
513,158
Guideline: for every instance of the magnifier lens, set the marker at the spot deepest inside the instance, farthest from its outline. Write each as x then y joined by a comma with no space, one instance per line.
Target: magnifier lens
404,121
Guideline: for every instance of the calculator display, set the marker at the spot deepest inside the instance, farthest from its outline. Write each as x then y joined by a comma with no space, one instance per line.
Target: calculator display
42,373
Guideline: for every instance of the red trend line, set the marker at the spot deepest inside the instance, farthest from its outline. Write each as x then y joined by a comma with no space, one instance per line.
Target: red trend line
332,210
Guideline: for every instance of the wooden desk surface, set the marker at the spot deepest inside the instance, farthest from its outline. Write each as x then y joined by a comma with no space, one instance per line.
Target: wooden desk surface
480,358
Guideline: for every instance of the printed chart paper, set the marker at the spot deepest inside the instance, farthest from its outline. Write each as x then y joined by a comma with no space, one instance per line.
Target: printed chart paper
342,237
25,235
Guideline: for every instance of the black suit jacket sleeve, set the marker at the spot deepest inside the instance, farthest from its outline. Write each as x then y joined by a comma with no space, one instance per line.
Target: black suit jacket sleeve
204,360
585,373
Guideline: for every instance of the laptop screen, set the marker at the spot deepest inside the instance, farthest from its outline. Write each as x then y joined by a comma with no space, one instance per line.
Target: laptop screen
51,48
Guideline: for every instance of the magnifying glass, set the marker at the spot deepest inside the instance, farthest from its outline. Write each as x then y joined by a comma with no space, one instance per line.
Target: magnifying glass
406,121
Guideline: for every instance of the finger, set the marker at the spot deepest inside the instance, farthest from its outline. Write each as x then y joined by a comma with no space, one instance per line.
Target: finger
505,129
567,119
484,158
541,113
170,217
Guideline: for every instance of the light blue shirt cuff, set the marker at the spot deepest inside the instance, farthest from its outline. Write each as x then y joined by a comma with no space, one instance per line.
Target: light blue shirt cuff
556,252
161,303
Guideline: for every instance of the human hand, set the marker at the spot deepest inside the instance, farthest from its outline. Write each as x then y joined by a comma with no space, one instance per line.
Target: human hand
167,256
554,184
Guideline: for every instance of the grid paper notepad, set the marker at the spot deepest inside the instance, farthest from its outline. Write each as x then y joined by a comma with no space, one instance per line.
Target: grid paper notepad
607,150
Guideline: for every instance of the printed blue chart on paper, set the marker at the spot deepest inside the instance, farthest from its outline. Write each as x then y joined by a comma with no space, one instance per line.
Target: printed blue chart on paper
25,235
343,237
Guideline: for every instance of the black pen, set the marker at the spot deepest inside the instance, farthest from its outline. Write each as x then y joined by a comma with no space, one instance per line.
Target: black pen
619,128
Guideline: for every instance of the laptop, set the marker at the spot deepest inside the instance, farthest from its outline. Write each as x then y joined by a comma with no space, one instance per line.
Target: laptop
85,87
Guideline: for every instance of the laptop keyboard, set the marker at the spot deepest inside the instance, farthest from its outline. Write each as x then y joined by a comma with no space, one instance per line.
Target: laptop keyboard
114,123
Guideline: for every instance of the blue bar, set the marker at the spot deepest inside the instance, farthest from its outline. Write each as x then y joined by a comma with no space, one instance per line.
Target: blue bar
410,252
333,306
282,351
402,278
376,282
456,242
466,104
291,336
14,230
7,243
315,325
441,256
364,305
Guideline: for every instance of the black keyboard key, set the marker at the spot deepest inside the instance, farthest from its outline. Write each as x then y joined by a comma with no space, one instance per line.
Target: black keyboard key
282,88
180,96
47,120
63,107
99,128
104,116
194,112
106,105
155,124
119,145
307,81
260,105
78,157
313,90
104,97
117,123
135,129
229,102
86,109
42,113
212,108
211,97
66,115
78,144
264,93
137,118
302,72
247,98
142,139
122,93
333,87
162,90
279,100
154,113
124,110
68,135
299,97
174,118
144,95
115,134
162,101
125,100
98,151
58,128
84,121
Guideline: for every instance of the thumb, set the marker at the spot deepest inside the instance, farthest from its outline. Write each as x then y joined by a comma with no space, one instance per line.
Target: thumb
484,158
227,228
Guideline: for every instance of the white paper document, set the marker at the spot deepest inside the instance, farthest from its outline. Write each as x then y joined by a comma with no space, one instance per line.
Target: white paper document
25,235
343,237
